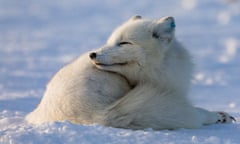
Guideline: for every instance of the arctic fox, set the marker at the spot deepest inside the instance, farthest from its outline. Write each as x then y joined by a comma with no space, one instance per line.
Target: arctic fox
139,79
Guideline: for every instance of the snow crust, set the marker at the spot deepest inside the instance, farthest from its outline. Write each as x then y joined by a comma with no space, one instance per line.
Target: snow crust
39,37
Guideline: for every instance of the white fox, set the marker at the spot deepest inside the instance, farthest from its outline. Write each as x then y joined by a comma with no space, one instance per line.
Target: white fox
139,79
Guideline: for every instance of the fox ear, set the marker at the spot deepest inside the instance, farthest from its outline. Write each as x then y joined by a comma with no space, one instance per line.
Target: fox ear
164,29
136,17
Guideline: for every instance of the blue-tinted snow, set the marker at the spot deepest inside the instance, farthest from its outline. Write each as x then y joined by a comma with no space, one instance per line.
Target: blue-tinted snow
39,37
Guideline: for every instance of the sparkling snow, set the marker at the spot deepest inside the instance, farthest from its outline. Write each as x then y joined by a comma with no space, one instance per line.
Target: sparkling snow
39,37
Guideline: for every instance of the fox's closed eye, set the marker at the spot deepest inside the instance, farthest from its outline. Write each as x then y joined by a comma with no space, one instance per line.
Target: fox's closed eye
124,43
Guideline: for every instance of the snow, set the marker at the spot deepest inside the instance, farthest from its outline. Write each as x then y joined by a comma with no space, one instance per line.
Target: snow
39,37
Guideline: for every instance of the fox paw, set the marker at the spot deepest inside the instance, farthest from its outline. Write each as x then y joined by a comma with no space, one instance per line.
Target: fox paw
225,118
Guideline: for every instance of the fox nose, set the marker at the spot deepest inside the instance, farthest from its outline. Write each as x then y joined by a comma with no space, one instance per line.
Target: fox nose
93,55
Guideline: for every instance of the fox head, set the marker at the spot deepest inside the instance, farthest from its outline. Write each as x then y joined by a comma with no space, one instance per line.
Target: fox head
136,46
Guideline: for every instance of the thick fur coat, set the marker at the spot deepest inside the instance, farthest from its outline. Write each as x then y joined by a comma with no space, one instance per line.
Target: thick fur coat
139,79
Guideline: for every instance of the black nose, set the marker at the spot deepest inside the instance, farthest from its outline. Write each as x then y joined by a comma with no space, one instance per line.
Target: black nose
93,55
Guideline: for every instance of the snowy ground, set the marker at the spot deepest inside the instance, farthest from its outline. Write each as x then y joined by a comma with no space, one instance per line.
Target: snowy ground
38,37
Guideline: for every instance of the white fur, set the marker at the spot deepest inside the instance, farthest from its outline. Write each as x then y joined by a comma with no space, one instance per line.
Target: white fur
77,93
160,69
143,54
